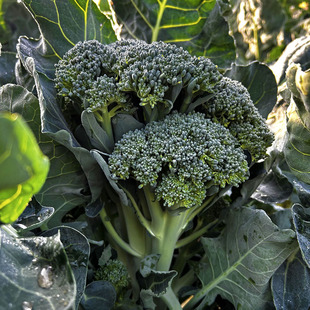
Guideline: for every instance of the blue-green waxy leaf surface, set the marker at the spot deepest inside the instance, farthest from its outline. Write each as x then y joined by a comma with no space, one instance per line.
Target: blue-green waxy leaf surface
35,273
77,249
7,67
301,218
197,25
23,167
99,295
240,262
290,285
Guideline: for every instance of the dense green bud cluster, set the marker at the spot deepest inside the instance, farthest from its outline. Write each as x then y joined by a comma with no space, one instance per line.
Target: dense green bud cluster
147,70
182,156
104,92
115,272
80,67
151,70
108,79
233,108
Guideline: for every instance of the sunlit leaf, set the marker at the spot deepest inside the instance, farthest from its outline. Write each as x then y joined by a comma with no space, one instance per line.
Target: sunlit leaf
23,167
65,183
197,25
297,148
64,23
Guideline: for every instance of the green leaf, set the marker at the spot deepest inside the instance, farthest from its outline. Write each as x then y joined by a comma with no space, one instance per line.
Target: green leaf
15,20
98,137
297,148
290,285
23,167
35,273
213,41
77,249
153,282
260,82
301,217
65,183
273,189
52,119
255,25
167,20
298,52
123,123
64,23
240,262
197,25
33,216
99,295
7,67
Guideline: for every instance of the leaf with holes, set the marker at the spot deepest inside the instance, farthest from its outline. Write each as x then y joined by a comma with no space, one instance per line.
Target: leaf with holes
240,262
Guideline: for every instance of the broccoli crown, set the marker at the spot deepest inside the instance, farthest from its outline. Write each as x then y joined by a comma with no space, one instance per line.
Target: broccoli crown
115,272
149,71
233,108
180,156
119,77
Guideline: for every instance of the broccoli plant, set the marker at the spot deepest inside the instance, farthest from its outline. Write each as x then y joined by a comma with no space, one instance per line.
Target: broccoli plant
196,135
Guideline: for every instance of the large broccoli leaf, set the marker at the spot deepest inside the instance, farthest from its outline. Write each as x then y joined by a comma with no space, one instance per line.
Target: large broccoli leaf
64,23
196,25
287,292
23,167
240,262
297,148
65,183
35,273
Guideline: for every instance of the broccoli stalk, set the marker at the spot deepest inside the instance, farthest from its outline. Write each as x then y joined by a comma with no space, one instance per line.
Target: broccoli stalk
179,165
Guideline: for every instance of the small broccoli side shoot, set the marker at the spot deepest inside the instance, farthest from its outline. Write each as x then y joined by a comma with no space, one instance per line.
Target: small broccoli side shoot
181,157
233,108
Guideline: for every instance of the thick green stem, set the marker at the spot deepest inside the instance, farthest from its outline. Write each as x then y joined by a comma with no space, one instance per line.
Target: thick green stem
187,280
135,231
115,236
171,300
155,210
103,116
144,222
165,242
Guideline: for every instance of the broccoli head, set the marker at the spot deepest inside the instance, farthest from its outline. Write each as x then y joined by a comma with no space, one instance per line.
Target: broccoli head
181,156
154,73
151,80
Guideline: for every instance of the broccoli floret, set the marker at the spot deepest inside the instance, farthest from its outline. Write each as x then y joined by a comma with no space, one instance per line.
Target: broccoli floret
233,108
115,272
181,156
80,68
150,70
